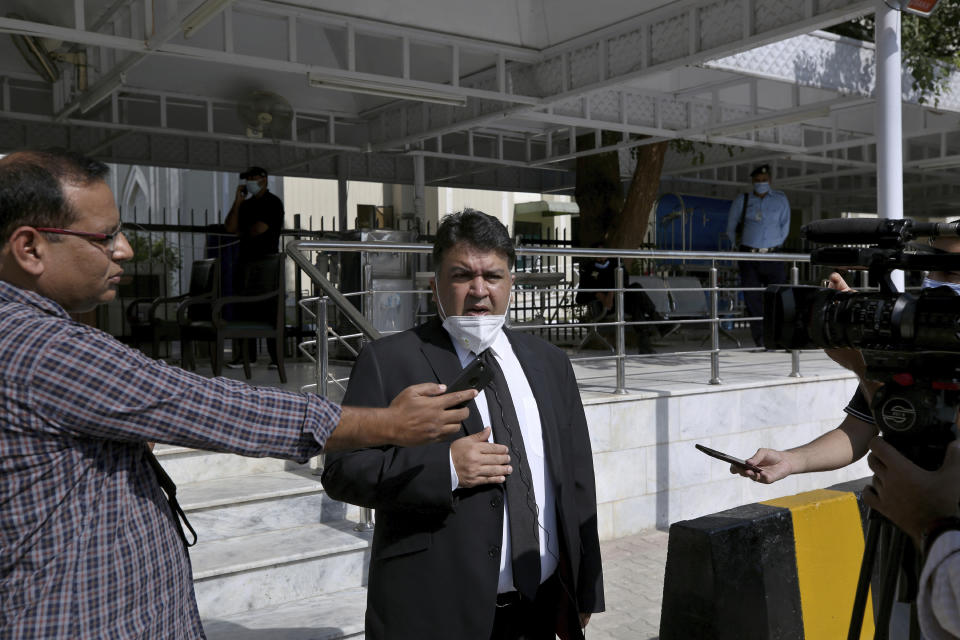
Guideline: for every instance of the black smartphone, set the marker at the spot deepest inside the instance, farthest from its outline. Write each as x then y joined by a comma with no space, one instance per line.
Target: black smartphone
477,375
719,455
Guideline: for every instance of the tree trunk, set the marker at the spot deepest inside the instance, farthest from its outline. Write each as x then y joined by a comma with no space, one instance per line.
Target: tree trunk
630,226
604,214
598,192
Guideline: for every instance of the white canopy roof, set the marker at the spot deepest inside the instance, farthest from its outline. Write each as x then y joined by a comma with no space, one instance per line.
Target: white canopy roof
495,94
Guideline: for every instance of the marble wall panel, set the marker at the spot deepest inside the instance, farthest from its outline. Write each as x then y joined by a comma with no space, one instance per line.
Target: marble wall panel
706,414
770,406
620,474
601,431
674,465
639,424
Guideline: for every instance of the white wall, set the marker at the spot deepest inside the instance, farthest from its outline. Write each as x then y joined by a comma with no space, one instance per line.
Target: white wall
649,474
316,200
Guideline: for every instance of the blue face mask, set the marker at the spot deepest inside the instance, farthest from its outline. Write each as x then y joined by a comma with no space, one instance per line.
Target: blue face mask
253,187
761,188
928,283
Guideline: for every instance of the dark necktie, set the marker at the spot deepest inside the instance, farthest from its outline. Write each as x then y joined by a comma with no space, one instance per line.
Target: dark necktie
521,502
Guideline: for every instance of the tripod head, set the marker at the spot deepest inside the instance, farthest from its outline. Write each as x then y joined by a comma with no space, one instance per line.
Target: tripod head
916,408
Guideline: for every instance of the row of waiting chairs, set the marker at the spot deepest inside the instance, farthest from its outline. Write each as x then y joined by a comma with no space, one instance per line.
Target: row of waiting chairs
203,315
674,298
679,298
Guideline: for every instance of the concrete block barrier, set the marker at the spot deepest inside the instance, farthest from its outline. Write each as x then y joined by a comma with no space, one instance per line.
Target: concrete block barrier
783,569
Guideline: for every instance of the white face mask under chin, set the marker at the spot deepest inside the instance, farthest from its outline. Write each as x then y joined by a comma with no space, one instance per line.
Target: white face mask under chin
475,333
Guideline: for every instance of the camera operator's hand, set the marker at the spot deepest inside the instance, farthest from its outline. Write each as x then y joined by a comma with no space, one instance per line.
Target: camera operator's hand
836,281
847,358
910,496
776,465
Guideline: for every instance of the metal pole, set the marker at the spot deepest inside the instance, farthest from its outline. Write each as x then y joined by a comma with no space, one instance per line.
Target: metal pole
621,342
323,348
889,119
321,364
795,354
714,327
297,286
366,513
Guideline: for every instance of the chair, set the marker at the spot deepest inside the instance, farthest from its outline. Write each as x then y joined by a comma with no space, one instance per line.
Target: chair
656,290
681,298
147,316
259,313
590,311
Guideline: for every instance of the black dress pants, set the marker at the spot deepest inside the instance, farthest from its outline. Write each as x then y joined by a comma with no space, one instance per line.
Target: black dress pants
522,619
759,274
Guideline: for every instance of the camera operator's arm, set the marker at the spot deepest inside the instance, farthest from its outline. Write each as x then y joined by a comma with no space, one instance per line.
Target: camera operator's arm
837,448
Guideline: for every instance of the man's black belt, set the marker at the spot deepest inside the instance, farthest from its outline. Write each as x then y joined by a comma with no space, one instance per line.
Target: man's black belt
508,598
744,247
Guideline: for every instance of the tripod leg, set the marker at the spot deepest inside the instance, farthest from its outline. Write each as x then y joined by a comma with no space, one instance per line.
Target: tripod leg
891,575
914,623
874,525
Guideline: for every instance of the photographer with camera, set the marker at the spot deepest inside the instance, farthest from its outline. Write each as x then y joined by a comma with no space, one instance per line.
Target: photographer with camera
837,448
922,503
850,440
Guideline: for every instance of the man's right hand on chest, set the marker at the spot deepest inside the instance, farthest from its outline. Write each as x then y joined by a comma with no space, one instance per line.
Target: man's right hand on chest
477,461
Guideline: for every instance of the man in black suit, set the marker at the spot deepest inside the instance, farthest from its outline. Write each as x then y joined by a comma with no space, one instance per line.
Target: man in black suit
478,537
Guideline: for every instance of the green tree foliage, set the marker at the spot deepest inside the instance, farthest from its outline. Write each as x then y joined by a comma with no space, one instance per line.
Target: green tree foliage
931,46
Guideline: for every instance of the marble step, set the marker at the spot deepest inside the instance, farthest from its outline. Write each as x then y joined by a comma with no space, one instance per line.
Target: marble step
327,617
187,465
268,569
244,505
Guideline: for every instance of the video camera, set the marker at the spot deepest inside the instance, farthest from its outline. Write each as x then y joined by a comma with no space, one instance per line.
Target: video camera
909,342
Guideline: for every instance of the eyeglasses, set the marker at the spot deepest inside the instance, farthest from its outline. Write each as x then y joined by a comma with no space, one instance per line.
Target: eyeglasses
108,241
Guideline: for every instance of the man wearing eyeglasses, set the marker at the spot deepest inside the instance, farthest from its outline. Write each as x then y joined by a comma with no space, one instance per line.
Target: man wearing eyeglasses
89,546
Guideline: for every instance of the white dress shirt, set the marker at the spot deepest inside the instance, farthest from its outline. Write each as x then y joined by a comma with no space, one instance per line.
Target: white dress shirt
528,415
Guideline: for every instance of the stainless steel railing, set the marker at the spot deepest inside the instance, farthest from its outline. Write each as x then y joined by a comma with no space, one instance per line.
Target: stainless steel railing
298,251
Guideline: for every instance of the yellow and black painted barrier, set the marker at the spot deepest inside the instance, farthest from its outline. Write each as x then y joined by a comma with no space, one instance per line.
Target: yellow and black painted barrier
784,569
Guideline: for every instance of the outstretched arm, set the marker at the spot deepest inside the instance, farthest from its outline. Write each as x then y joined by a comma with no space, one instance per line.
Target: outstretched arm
421,414
835,449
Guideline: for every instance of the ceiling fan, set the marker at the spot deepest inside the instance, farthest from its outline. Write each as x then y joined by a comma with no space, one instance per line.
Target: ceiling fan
43,56
266,114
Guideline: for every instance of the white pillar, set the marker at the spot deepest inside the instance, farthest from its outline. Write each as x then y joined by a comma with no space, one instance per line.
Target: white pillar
889,122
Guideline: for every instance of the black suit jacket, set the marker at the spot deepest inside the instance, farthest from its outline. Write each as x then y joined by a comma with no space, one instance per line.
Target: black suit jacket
435,560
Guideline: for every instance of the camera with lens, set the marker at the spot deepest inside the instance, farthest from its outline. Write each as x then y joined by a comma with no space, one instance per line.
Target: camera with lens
910,342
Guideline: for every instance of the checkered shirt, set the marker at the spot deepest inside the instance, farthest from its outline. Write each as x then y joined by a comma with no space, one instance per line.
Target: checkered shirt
88,546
